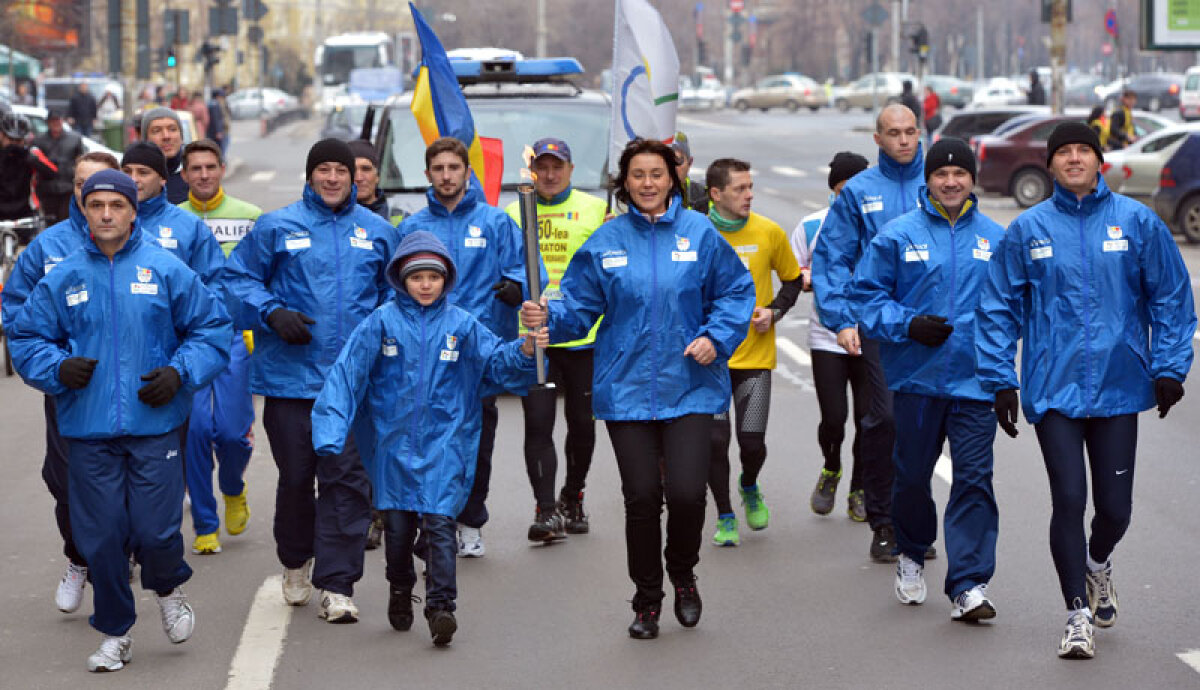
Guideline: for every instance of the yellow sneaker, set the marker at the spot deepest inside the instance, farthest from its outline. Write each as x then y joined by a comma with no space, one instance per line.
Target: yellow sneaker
237,512
206,543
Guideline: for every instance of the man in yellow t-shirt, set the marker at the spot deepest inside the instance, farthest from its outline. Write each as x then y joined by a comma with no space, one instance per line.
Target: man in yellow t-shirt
763,247
566,218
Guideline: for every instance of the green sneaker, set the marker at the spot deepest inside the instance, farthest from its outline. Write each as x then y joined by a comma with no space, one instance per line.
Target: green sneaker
756,510
856,506
727,532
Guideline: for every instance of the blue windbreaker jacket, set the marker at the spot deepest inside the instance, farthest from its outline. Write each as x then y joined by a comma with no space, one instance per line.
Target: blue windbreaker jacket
1100,295
868,201
306,257
409,383
48,249
659,286
183,234
142,310
921,264
486,245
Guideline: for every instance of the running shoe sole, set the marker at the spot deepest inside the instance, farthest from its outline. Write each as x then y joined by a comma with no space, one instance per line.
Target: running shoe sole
983,612
442,628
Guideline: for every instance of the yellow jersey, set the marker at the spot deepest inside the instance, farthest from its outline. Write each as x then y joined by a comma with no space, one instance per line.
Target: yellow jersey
763,247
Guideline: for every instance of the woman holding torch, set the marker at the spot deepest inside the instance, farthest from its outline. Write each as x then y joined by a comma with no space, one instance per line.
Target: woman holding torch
676,302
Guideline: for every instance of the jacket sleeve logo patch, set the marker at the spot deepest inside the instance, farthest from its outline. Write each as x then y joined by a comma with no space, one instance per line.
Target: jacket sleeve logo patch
1114,232
144,286
614,259
916,252
390,347
76,295
872,204
983,249
360,232
450,354
166,239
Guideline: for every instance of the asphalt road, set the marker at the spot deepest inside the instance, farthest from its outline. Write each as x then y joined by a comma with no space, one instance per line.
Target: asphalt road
798,605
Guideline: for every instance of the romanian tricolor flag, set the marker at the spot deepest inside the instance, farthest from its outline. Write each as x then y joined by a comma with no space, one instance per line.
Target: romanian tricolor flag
441,110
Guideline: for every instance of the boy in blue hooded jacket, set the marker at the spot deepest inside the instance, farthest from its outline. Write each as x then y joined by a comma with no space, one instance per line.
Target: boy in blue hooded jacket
408,383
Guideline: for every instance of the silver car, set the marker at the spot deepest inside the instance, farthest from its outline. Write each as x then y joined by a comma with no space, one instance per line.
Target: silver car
791,91
881,87
254,102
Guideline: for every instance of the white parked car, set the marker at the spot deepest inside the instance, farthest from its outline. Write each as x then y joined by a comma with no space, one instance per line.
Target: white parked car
999,91
704,93
250,103
1136,169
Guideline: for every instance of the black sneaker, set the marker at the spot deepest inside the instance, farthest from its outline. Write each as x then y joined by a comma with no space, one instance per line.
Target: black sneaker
572,511
645,624
547,527
400,610
442,626
375,531
883,542
687,602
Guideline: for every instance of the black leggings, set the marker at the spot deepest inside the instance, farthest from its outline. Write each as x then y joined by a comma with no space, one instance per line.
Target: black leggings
571,371
752,404
657,460
831,373
1111,444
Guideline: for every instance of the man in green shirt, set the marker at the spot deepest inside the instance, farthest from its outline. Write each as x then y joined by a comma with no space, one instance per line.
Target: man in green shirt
222,412
566,218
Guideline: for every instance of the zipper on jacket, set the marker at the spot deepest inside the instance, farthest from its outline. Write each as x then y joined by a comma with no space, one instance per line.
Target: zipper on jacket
948,355
654,319
112,287
337,280
1087,312
415,416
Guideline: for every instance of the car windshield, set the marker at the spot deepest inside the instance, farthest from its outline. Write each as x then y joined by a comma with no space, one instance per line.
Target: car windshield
349,116
518,127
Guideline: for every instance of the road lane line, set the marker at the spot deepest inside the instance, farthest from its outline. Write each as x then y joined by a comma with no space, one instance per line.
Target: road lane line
262,176
943,469
813,205
794,351
788,171
1192,658
261,645
1196,335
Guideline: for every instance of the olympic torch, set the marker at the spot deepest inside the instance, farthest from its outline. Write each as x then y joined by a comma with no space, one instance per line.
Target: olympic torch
527,201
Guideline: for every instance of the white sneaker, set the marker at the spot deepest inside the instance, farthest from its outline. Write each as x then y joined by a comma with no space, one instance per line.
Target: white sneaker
178,619
69,595
113,654
910,581
1078,640
338,608
973,605
297,584
470,542
1102,596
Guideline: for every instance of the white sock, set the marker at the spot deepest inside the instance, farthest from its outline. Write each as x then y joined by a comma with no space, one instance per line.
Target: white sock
1094,566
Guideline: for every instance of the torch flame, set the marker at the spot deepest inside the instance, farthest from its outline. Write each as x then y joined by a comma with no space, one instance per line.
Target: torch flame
526,173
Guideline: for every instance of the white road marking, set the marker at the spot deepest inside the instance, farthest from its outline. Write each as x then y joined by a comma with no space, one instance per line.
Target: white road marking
943,469
263,176
261,645
1192,658
1196,335
813,205
794,351
788,171
824,169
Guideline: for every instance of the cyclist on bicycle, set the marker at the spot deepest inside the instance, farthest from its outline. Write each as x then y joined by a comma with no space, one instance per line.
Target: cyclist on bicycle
18,165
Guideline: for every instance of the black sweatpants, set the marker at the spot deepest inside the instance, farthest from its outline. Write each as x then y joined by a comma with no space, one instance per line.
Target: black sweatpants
475,513
56,473
878,439
831,372
571,372
660,459
751,404
1111,444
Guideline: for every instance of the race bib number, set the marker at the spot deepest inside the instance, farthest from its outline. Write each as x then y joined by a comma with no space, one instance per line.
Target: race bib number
359,243
683,256
1116,245
298,243
143,288
1037,253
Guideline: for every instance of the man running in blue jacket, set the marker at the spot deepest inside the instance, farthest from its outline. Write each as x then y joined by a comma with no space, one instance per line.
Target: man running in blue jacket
122,333
1093,284
915,291
867,202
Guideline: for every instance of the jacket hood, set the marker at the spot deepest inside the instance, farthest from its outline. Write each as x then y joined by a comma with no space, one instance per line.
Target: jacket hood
76,217
154,205
414,243
1066,201
313,200
902,171
472,196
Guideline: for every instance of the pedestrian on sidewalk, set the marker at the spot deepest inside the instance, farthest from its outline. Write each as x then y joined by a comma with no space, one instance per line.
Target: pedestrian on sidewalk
676,302
1094,286
915,291
424,421
122,363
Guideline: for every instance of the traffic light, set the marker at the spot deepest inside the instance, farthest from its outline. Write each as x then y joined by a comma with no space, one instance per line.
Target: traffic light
210,53
170,62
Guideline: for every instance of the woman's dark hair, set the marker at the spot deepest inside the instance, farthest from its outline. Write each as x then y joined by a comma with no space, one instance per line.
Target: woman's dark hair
640,146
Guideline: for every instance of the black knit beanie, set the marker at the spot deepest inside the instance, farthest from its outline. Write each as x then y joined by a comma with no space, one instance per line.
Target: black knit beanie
329,151
147,154
362,148
845,165
950,151
1072,133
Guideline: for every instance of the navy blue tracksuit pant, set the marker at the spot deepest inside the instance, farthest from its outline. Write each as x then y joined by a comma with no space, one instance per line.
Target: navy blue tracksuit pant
330,526
923,425
126,495
1111,444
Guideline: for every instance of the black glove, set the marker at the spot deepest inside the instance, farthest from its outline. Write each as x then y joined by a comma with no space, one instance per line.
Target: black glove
509,292
929,330
1006,406
76,372
1167,391
292,326
164,383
